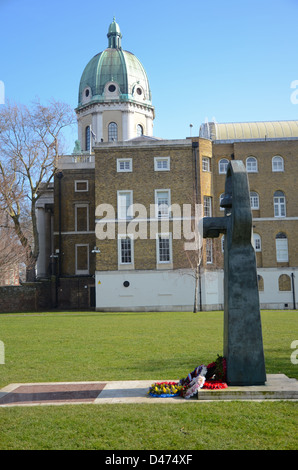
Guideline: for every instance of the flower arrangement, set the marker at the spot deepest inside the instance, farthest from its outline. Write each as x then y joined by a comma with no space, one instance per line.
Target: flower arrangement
165,389
217,370
210,377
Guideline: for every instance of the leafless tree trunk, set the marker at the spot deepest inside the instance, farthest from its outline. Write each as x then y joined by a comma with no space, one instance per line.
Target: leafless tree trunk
30,143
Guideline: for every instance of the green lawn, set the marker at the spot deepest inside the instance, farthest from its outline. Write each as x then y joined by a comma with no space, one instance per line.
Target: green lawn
89,346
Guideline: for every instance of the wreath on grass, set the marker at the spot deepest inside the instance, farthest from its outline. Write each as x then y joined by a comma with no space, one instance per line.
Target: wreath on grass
212,377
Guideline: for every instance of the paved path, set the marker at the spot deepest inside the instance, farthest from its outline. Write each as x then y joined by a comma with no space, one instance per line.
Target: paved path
277,387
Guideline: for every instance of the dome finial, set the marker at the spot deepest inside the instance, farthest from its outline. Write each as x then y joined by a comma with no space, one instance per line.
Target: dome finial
114,35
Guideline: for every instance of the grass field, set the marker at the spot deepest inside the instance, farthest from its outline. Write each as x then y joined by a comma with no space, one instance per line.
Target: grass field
91,346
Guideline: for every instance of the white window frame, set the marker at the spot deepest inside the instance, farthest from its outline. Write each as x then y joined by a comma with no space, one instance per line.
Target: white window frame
165,214
167,236
82,271
81,190
206,164
209,251
282,250
257,242
251,164
279,204
254,200
127,165
166,164
223,165
129,208
121,237
277,164
77,206
207,208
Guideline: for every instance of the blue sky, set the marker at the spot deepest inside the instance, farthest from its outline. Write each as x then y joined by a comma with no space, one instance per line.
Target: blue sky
229,60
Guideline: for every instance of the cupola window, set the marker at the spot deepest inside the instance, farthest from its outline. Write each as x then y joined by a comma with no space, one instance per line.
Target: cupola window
87,138
139,130
113,132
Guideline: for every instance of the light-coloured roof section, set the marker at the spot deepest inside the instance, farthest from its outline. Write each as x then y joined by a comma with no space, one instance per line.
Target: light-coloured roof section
249,130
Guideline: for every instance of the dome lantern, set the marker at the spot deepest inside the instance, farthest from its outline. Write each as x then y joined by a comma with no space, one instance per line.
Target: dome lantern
114,35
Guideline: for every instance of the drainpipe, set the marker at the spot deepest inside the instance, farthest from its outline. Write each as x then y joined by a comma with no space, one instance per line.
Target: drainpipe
58,275
195,145
293,288
60,176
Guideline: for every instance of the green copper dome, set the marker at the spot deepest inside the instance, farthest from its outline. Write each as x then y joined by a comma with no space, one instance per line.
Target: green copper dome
114,75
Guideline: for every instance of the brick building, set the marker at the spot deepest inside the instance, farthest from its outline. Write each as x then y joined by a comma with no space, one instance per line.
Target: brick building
124,206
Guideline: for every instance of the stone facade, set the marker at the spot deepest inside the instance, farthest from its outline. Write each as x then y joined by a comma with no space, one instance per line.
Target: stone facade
90,190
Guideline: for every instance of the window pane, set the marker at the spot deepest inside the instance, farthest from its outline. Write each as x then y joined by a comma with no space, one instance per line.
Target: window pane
251,165
279,204
277,164
87,138
206,164
164,249
209,250
124,203
139,130
207,206
113,132
162,200
161,164
125,244
223,165
282,250
254,200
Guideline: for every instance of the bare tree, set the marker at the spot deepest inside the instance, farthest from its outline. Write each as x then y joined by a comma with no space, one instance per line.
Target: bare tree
30,143
12,253
194,259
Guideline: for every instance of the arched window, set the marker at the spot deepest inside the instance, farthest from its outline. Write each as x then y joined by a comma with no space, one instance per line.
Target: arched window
87,138
279,202
251,165
257,242
284,282
113,132
223,165
139,130
281,244
277,163
254,200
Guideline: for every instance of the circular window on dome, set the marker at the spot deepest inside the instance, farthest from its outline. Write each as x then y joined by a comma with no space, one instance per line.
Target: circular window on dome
112,88
139,91
87,93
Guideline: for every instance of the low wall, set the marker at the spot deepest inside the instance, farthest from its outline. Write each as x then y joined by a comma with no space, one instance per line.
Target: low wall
29,297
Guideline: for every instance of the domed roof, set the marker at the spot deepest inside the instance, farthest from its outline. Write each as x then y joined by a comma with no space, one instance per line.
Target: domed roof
114,75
